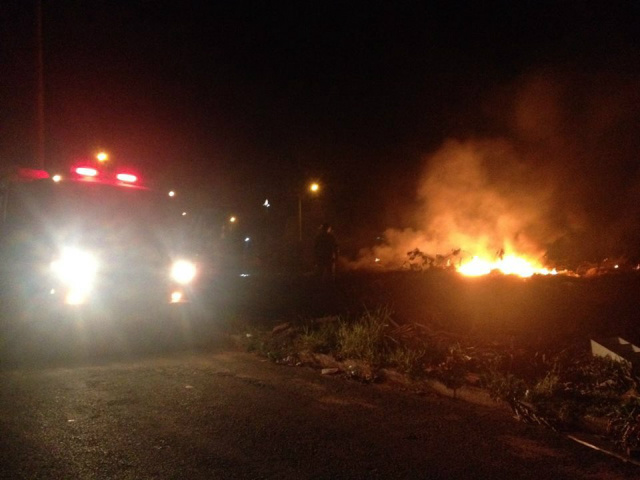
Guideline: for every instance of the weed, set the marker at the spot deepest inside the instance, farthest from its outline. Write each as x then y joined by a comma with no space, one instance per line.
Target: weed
624,426
503,386
407,360
319,337
365,338
274,347
454,368
581,385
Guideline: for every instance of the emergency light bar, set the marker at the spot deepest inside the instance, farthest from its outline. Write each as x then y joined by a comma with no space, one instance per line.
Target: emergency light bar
89,173
127,177
86,171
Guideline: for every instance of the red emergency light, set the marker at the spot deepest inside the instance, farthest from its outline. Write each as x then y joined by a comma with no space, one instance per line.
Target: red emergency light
86,171
89,173
127,177
27,174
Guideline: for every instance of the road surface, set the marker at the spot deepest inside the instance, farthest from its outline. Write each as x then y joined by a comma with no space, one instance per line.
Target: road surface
232,415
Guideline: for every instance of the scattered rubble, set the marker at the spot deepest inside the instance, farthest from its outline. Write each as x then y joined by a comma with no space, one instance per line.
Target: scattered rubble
329,371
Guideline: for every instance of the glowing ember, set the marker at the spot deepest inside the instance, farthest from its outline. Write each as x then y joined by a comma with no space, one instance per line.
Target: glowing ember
508,265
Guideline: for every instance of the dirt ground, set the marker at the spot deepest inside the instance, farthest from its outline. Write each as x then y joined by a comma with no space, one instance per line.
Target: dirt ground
539,312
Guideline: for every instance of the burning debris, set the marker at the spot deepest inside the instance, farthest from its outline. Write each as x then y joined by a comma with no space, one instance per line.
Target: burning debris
475,266
419,260
508,265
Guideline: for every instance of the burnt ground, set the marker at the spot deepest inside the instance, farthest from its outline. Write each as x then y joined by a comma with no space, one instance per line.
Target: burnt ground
538,313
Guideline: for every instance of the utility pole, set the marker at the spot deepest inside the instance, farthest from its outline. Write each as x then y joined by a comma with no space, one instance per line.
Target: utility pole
300,218
40,149
313,188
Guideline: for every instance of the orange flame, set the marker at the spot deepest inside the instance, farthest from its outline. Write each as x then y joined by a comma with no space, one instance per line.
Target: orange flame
508,265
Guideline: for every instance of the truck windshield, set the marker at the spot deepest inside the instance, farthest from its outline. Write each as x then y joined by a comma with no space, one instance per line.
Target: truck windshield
91,213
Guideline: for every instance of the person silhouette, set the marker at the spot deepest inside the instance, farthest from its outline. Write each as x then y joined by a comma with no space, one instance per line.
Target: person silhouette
325,252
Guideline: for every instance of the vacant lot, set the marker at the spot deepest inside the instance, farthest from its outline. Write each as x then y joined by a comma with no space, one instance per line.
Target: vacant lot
538,312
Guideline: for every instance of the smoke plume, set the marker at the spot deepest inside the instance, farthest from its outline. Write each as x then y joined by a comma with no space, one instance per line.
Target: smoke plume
559,181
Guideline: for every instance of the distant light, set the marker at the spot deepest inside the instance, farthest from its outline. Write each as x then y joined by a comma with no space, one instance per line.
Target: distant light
232,219
314,187
245,274
102,157
247,239
176,296
184,214
172,193
87,171
56,178
617,266
127,177
266,203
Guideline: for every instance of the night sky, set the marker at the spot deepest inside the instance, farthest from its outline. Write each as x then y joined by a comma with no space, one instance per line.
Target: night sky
242,101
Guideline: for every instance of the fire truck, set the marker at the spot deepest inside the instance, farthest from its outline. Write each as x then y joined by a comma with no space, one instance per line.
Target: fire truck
94,238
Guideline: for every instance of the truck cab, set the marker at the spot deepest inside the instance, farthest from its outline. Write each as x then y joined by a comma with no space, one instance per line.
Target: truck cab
93,238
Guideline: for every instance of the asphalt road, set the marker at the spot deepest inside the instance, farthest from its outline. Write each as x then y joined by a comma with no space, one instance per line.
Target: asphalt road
227,414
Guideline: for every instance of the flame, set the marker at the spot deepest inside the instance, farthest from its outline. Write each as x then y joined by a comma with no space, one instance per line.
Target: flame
509,265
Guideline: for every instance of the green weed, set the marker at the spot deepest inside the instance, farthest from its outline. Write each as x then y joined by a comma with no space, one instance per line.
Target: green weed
365,337
320,337
407,360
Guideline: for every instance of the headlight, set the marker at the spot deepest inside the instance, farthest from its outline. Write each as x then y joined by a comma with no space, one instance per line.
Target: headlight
183,271
75,268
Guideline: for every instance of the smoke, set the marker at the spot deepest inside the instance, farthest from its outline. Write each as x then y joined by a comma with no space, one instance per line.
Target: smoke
559,182
478,196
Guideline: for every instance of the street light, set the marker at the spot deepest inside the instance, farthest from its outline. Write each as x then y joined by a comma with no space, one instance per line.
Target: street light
313,187
102,157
